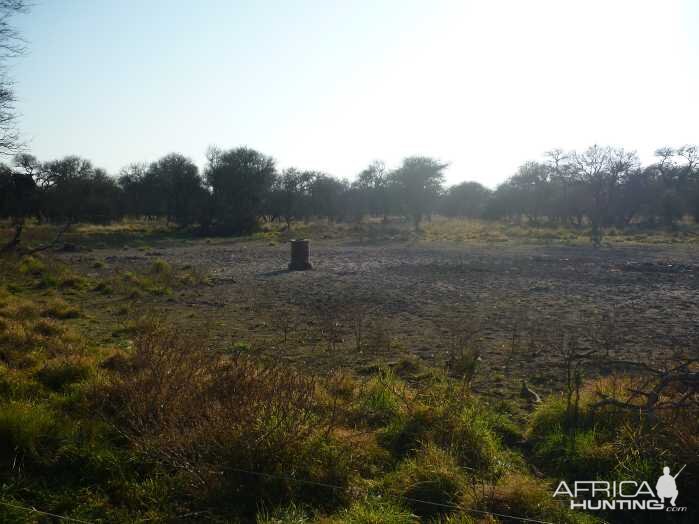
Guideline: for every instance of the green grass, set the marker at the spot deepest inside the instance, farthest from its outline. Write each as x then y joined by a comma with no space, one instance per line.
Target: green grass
431,483
373,510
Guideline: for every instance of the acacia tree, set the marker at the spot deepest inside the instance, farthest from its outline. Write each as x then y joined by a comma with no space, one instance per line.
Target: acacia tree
372,184
328,196
419,183
601,169
289,198
468,199
240,180
72,189
139,199
677,183
177,180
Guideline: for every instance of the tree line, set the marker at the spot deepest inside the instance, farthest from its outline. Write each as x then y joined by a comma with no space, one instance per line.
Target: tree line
602,187
237,189
240,187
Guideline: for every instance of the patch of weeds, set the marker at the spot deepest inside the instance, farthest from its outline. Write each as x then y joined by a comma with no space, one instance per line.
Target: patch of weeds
57,374
60,309
32,266
291,514
240,347
123,310
104,288
376,510
520,494
379,401
19,309
72,282
48,328
26,428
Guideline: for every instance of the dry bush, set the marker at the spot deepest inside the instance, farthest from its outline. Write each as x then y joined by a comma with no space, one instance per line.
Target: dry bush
358,315
283,320
329,315
224,423
379,334
464,347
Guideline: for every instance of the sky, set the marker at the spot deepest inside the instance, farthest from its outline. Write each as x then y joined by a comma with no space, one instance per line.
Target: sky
333,85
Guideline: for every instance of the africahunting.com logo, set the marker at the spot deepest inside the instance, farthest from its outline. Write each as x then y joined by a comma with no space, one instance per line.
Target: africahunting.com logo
592,495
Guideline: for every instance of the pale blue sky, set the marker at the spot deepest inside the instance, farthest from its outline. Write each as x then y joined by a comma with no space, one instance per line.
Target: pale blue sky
333,85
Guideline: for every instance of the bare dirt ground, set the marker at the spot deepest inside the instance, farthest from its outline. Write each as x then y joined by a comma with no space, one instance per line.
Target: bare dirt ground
422,293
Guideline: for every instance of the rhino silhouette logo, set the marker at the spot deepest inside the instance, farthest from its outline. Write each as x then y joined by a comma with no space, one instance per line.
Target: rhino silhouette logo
666,487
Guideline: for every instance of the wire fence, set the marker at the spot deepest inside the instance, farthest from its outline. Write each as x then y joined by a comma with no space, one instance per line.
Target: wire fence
308,482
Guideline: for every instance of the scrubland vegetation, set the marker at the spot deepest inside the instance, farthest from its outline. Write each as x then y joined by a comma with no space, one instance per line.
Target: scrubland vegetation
603,190
297,399
158,424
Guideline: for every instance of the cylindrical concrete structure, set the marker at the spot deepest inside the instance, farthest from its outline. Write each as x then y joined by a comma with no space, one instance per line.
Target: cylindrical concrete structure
300,255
